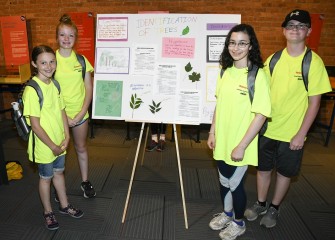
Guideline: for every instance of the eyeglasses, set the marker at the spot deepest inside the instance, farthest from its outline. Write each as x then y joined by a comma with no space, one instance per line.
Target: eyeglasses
240,45
297,27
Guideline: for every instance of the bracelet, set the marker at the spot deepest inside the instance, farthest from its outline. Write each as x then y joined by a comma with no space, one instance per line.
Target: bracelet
211,132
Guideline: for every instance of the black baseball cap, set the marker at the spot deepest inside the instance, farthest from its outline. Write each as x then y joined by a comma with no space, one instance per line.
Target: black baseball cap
298,15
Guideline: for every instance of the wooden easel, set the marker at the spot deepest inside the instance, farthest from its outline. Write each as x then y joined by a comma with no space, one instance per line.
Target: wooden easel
134,168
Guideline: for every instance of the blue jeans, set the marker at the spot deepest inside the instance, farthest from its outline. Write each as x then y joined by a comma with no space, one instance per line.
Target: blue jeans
46,171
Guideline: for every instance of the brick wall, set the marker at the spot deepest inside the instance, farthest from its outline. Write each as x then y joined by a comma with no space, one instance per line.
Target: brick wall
265,16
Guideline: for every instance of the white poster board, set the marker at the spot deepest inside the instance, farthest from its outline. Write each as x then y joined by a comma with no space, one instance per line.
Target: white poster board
158,67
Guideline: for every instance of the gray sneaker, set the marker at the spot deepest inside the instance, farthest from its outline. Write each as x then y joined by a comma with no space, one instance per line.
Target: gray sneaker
219,221
232,231
252,213
270,218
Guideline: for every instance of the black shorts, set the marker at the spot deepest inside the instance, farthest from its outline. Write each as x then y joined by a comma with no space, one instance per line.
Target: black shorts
273,154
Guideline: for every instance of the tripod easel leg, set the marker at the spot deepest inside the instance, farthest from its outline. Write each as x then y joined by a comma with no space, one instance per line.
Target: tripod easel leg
180,176
132,174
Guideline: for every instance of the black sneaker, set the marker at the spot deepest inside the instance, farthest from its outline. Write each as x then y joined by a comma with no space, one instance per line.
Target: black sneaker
50,221
161,146
71,211
153,145
88,189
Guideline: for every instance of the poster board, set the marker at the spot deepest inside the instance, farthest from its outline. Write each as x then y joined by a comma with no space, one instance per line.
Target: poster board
158,67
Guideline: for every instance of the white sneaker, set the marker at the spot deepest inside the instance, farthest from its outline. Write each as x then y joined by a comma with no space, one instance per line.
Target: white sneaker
219,221
232,231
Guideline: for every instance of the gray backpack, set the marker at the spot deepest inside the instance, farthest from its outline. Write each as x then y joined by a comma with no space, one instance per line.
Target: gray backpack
22,127
305,65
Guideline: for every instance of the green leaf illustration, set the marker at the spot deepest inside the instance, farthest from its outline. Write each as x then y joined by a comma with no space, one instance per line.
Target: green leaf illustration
194,77
135,103
155,107
188,67
186,30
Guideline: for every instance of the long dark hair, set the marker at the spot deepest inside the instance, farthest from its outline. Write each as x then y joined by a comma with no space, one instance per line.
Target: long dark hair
254,56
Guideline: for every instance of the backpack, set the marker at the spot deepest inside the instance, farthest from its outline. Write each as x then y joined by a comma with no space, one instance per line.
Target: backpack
252,73
305,65
20,122
82,62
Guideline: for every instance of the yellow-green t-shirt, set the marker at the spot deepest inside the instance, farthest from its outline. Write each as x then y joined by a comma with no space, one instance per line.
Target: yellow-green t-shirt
69,76
234,113
50,119
289,97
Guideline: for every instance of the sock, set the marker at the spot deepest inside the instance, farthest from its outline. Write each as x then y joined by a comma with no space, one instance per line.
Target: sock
263,204
274,206
229,214
162,137
154,137
240,223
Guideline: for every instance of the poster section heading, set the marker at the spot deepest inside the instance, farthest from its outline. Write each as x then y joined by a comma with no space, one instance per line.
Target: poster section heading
158,67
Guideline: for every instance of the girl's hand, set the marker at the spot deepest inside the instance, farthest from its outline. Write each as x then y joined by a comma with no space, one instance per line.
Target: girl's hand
71,122
237,154
211,141
57,150
65,143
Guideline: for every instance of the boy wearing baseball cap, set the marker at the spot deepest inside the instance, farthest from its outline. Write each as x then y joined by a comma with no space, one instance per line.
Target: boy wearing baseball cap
294,108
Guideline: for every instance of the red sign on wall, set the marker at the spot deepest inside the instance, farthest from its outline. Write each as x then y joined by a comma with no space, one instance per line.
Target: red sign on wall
314,38
15,40
85,41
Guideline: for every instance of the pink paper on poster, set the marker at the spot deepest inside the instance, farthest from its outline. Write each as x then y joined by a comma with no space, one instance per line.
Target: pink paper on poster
178,47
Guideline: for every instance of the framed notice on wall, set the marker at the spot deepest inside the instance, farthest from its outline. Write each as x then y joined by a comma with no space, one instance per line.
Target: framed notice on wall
166,66
314,38
85,43
15,40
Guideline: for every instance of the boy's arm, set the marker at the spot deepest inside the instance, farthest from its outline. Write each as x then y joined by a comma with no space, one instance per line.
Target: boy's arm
43,136
297,142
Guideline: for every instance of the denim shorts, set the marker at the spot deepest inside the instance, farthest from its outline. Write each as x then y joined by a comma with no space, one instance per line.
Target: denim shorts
46,171
274,154
79,123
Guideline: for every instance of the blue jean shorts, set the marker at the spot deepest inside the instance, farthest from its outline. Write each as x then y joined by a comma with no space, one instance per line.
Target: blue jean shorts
80,123
46,171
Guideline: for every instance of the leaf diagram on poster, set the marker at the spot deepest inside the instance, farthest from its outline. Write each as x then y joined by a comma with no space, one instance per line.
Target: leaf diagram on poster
158,67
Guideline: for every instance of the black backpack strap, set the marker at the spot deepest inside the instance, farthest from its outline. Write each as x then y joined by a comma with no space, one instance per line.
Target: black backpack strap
252,73
274,60
33,147
306,63
32,83
82,62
